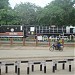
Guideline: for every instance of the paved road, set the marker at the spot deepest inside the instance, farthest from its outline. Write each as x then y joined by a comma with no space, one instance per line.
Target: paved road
21,51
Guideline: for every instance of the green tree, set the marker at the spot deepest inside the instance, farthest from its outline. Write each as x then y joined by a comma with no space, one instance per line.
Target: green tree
4,4
68,7
51,15
58,12
4,7
27,12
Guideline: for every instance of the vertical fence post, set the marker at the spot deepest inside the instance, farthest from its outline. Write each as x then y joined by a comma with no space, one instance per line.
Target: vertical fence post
15,67
63,66
32,67
0,68
23,41
63,42
53,67
11,41
44,63
0,41
18,69
28,68
69,66
40,67
48,41
6,69
45,68
36,41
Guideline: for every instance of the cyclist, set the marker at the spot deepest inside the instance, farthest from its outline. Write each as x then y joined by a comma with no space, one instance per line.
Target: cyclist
54,44
59,44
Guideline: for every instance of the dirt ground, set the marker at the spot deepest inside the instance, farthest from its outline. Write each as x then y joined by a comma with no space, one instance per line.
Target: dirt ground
22,51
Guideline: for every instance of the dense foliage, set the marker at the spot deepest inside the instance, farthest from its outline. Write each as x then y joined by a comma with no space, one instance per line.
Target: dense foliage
58,12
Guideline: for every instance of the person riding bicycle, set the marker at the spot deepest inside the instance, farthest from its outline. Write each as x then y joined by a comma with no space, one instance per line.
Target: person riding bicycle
57,44
54,44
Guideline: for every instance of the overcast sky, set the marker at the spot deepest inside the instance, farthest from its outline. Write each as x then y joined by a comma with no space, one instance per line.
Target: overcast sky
41,3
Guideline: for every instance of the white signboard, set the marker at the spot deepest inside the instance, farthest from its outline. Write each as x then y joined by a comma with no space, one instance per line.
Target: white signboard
73,30
20,27
32,28
67,29
39,37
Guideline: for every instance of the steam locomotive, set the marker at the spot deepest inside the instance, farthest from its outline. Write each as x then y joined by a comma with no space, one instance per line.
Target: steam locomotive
27,30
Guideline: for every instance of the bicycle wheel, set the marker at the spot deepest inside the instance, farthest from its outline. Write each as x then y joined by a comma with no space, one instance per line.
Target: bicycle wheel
51,48
61,48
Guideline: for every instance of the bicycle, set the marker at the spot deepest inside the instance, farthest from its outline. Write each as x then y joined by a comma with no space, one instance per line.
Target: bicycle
52,48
